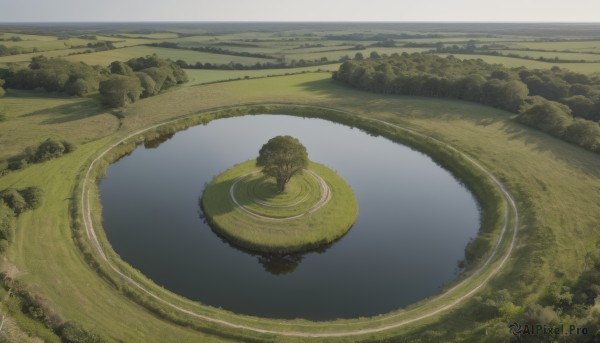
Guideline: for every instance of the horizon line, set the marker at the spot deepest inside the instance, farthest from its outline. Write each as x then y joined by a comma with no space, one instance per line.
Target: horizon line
302,22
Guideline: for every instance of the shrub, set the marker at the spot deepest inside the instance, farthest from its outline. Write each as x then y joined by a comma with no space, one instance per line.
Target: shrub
73,332
584,133
548,116
14,200
17,164
49,149
7,220
33,196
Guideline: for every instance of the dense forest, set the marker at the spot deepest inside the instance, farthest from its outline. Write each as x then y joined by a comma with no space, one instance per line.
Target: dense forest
557,101
119,84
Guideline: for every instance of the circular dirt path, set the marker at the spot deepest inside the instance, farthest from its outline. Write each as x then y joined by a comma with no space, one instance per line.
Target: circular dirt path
324,199
451,303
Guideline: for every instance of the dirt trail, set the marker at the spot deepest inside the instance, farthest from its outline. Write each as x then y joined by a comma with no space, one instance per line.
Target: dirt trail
341,333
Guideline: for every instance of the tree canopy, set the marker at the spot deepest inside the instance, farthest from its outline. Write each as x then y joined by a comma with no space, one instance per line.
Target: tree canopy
282,157
546,99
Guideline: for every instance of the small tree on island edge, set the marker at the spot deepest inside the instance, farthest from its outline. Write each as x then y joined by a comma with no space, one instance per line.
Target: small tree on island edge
282,157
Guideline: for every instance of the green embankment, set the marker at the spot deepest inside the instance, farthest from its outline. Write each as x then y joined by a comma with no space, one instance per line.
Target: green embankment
245,207
556,186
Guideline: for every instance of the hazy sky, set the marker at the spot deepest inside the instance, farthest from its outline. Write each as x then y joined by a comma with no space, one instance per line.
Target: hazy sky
300,10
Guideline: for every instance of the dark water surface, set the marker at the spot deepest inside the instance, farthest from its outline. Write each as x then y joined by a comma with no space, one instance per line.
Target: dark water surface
414,222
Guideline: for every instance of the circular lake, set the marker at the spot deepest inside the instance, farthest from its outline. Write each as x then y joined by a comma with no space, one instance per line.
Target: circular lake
414,222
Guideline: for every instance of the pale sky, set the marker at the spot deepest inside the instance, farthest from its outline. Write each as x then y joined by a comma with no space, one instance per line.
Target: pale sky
300,10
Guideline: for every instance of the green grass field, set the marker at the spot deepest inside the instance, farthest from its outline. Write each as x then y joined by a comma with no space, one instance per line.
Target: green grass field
104,58
560,55
556,185
201,76
32,117
576,46
26,58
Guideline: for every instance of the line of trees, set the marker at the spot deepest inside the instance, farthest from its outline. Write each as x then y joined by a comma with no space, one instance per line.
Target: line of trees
119,84
13,50
47,150
545,99
213,50
54,75
139,78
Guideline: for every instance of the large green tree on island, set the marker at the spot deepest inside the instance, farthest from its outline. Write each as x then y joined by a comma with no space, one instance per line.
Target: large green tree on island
282,157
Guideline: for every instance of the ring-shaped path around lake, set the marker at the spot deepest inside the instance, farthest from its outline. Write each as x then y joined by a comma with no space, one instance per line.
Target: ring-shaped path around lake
443,302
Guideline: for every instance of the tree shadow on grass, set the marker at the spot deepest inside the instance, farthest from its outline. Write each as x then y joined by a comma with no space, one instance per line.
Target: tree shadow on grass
573,155
69,112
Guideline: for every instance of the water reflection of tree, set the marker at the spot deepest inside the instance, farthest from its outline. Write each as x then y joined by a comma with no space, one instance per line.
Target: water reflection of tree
276,264
280,264
155,142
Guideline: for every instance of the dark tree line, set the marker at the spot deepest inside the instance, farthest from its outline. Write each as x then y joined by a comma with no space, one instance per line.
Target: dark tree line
119,84
212,49
13,50
47,150
54,75
139,78
545,99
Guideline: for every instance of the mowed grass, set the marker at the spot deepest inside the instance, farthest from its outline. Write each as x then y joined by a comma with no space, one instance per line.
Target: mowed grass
309,231
201,76
557,186
32,117
258,194
58,270
104,58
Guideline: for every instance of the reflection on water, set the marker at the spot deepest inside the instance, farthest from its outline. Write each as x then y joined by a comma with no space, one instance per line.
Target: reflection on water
415,220
277,264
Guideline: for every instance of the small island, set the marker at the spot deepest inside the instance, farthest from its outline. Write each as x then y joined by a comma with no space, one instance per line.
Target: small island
281,202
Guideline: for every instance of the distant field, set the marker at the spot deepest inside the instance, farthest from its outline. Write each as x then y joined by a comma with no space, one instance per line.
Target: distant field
561,55
198,76
584,68
104,58
44,43
23,58
336,55
158,35
578,46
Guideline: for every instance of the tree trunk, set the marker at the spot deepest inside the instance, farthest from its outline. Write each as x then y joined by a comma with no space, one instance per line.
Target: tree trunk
281,185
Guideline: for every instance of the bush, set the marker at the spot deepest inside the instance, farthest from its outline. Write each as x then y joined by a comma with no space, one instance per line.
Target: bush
7,221
548,116
119,90
33,196
73,332
584,133
17,164
13,199
49,149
